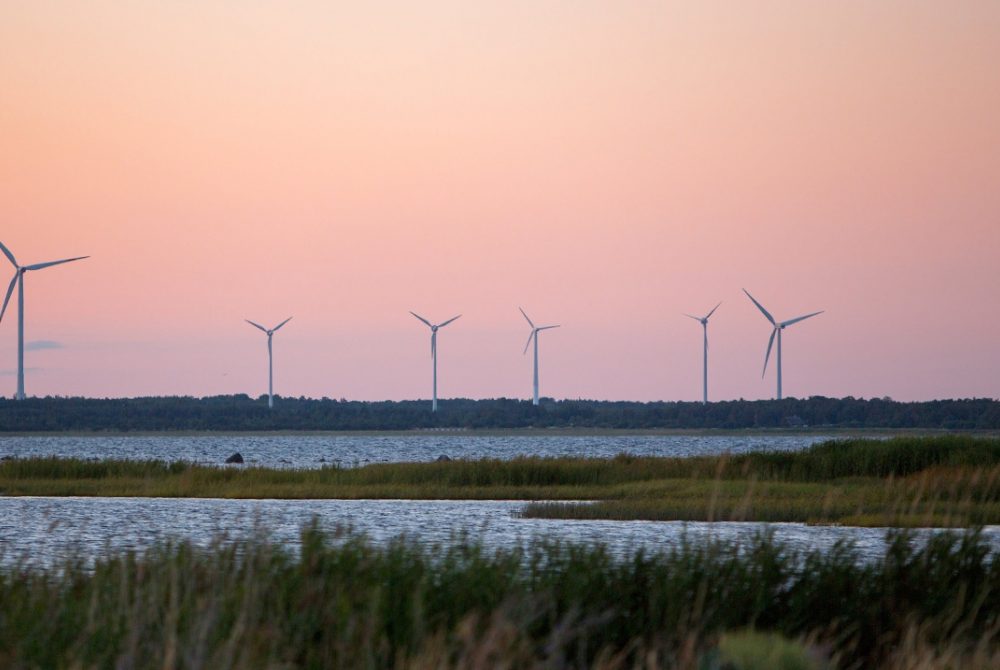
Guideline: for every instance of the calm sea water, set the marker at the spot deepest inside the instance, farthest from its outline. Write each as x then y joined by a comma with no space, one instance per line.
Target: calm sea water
313,451
46,530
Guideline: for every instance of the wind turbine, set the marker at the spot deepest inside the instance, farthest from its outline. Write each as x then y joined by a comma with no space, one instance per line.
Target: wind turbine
704,325
270,358
434,353
534,336
19,280
778,327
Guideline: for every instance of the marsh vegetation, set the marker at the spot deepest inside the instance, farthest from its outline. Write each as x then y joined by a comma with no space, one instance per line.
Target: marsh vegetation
336,600
904,481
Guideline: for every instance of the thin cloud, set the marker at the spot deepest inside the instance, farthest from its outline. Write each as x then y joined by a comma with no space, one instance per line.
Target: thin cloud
38,345
11,373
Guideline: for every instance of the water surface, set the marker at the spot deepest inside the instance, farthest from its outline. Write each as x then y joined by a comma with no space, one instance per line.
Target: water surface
313,451
46,530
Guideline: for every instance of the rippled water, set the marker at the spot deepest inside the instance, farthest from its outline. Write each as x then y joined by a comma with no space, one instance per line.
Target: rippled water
45,530
312,451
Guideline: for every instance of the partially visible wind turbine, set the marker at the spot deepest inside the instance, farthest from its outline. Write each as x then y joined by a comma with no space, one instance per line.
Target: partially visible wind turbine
19,280
270,357
534,336
704,325
778,327
434,352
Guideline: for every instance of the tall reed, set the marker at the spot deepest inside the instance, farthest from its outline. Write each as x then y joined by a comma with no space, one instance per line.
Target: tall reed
338,601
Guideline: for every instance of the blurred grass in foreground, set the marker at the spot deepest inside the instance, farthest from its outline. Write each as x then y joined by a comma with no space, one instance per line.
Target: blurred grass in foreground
339,601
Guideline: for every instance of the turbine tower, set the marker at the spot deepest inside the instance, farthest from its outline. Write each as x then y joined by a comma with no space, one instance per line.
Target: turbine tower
534,336
778,327
434,353
270,358
704,325
19,280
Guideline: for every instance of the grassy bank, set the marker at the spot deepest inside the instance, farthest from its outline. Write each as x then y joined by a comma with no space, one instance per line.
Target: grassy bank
341,602
905,481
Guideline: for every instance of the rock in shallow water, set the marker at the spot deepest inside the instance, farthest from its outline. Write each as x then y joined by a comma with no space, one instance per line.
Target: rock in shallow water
235,458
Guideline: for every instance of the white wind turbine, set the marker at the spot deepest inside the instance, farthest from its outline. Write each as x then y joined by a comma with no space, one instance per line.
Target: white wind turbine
778,327
19,280
270,358
434,352
534,336
703,320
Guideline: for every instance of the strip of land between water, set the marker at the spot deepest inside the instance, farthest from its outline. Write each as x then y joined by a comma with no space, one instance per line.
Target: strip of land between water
940,481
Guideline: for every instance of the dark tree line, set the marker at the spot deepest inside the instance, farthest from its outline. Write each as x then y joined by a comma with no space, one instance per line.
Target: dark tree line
240,412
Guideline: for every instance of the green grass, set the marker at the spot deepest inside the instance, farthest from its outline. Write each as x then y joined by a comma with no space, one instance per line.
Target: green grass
904,481
339,601
751,650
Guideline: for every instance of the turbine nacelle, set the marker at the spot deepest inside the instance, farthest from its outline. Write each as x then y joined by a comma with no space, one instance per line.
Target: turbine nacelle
778,326
534,330
268,331
703,320
434,327
19,271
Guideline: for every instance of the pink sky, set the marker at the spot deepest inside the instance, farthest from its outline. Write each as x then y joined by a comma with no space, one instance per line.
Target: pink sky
605,165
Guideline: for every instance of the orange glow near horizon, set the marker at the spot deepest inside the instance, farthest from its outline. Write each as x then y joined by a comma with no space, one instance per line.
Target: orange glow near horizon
605,165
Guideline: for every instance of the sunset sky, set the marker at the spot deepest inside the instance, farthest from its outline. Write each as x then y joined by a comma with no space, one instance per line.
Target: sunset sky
605,165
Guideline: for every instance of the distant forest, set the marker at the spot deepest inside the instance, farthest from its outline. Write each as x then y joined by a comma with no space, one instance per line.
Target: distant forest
242,413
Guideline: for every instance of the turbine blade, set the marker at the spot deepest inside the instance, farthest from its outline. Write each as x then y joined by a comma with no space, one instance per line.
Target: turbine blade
10,290
528,343
6,252
530,323
442,325
422,319
713,311
256,325
546,327
39,266
761,308
767,357
275,329
800,318
691,316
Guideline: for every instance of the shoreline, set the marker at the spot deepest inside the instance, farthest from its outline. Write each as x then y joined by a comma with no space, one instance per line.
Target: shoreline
912,481
817,431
